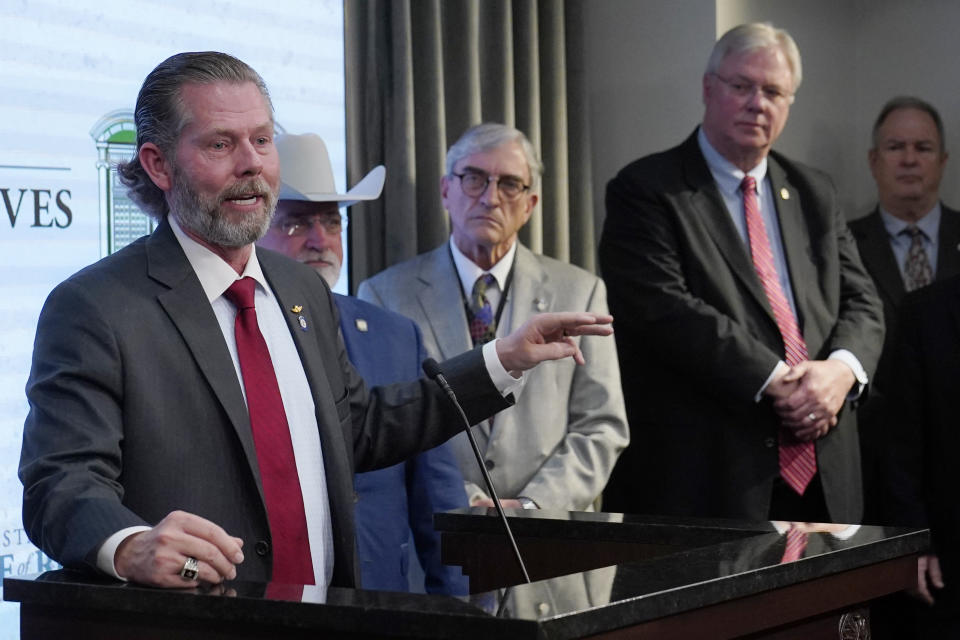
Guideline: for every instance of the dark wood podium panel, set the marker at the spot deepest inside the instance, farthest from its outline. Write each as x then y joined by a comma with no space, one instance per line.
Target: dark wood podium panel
632,577
684,578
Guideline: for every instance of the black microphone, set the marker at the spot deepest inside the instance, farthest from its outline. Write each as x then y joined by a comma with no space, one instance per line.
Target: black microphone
432,369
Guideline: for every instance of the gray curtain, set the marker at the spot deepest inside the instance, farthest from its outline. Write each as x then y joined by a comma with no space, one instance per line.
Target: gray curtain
420,72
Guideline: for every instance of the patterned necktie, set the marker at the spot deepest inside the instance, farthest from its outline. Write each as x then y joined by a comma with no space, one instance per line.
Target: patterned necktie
796,543
798,460
483,327
292,562
917,267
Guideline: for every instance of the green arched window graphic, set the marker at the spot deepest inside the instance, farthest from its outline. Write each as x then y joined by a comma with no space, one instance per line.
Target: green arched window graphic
121,221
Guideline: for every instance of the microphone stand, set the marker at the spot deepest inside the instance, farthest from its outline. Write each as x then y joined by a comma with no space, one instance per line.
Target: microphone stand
432,369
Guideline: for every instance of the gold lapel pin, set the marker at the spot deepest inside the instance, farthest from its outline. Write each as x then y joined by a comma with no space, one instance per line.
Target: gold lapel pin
297,308
361,325
784,193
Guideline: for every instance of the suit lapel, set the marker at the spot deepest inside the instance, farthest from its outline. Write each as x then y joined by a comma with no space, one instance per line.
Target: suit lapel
529,292
876,253
795,236
948,249
441,303
712,212
186,305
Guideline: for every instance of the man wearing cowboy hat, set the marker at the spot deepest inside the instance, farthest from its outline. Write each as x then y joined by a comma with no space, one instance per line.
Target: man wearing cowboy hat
385,347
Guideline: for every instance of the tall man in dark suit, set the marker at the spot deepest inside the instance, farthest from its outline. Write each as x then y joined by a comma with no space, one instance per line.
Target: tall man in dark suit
193,414
921,417
385,347
908,241
746,321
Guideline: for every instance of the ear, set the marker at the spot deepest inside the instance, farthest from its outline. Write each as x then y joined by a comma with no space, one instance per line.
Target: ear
706,84
872,156
532,200
444,188
155,164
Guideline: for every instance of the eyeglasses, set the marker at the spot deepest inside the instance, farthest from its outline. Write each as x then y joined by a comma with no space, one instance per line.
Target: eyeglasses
744,89
301,226
474,183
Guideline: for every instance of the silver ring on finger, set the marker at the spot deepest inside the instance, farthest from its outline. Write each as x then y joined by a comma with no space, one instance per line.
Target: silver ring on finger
812,417
190,570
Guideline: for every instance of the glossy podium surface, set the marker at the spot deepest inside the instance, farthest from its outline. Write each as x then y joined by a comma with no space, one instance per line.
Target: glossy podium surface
653,577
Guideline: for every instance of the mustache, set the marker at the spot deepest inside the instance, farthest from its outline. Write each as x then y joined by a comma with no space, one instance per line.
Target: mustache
252,187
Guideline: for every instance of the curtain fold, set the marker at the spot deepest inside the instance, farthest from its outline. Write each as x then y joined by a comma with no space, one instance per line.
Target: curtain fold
419,73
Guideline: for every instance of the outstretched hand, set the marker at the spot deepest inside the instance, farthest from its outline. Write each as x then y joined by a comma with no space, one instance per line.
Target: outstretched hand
549,336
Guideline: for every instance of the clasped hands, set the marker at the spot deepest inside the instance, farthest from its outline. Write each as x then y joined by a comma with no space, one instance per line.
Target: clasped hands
809,395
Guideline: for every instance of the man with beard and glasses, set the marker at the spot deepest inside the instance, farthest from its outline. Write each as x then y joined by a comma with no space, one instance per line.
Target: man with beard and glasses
193,414
385,347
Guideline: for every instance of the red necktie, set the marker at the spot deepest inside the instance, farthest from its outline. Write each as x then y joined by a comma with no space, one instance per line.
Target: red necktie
796,543
292,562
798,460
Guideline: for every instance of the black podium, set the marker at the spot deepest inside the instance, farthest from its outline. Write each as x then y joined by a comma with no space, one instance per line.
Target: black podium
597,575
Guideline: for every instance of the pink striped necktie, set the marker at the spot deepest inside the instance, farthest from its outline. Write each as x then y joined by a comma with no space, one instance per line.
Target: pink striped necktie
796,543
292,562
798,460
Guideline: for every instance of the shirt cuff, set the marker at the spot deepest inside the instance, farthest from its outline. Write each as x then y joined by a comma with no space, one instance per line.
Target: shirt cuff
780,365
109,549
501,378
851,361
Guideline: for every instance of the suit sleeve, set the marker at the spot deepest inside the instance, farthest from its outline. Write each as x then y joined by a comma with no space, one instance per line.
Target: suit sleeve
70,463
650,262
574,474
859,327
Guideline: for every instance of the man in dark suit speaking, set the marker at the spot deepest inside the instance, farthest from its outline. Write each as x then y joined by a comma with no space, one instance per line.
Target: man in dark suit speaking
193,414
746,319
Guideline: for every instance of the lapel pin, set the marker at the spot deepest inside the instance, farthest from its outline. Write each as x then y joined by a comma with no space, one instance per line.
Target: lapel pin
361,325
784,193
297,308
303,322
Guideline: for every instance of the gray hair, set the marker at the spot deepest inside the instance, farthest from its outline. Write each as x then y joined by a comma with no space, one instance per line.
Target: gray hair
160,116
909,102
491,135
757,35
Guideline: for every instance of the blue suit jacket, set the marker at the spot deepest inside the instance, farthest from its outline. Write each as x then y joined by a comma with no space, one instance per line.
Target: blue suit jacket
386,347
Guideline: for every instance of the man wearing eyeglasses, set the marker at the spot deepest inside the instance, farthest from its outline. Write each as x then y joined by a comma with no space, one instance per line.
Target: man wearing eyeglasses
385,347
746,323
555,448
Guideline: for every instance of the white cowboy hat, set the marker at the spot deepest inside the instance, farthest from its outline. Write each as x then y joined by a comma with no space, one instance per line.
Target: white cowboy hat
306,173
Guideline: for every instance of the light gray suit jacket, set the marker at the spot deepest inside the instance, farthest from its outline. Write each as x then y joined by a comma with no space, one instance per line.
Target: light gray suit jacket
558,444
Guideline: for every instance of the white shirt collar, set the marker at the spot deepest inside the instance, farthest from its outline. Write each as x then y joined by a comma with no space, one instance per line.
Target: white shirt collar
214,273
727,175
468,271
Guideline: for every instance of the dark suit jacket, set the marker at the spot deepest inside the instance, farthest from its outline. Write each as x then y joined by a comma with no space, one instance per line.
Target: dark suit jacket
878,258
921,420
402,498
881,264
136,409
922,414
697,338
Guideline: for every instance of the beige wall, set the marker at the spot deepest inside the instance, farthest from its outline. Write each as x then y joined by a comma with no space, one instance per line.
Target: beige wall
646,59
